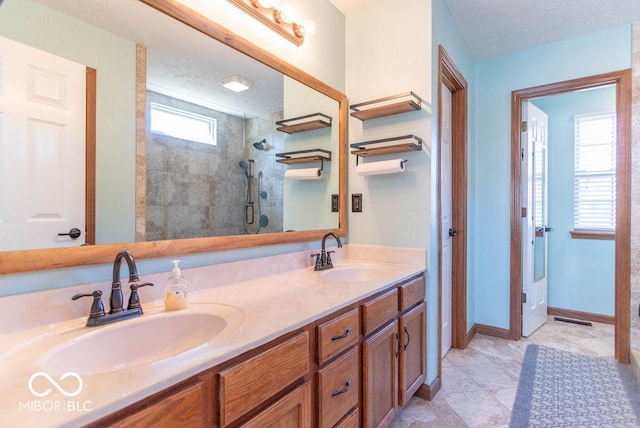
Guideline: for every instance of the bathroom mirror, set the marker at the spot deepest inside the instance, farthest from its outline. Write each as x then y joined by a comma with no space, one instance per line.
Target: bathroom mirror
255,142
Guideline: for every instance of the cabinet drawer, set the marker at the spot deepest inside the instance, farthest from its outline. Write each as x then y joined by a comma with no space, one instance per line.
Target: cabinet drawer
378,311
411,293
337,335
338,388
291,411
245,386
352,420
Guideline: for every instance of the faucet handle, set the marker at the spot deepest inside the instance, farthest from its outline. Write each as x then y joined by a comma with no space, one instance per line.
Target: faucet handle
318,265
134,299
97,308
328,261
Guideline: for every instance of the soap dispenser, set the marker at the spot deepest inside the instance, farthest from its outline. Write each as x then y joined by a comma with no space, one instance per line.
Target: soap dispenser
175,294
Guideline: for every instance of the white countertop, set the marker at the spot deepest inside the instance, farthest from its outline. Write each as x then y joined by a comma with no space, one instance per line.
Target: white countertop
269,307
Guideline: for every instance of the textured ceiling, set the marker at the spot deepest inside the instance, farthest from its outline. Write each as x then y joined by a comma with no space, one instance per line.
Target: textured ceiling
182,62
499,27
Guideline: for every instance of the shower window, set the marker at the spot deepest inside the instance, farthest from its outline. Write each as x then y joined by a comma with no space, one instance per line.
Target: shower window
182,124
595,172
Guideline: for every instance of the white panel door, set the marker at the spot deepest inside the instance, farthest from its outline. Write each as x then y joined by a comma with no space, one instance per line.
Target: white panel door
42,148
534,227
447,231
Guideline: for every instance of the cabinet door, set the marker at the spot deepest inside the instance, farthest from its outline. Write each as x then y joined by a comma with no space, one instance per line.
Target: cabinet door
291,411
185,408
412,354
380,376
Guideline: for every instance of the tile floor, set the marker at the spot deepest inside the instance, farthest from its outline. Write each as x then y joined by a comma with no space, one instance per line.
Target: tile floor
479,384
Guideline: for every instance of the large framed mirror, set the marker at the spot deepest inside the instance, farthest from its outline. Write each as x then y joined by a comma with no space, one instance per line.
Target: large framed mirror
158,194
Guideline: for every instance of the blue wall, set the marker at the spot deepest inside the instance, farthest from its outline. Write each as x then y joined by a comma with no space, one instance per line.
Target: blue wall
491,152
446,33
581,272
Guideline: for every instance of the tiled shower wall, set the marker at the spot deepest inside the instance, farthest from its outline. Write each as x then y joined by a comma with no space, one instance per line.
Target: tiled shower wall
198,190
635,203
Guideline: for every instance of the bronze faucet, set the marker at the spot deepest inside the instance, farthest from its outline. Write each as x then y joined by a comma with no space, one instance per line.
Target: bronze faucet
97,315
323,258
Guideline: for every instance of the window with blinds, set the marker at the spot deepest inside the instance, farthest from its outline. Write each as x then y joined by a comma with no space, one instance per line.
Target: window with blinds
595,172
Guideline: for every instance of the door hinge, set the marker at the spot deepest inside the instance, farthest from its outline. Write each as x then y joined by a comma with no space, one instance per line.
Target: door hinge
524,297
523,212
523,126
521,154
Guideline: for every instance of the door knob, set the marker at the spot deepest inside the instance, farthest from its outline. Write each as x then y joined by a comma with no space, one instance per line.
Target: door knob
548,229
452,232
73,233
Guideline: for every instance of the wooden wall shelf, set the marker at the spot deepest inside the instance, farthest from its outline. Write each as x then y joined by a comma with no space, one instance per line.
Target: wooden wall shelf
304,156
307,122
381,107
381,147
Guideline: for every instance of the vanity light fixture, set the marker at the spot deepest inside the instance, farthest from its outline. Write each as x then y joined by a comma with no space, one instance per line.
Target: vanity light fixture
236,84
280,18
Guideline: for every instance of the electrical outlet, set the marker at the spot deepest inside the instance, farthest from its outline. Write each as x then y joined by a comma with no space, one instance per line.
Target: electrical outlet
356,203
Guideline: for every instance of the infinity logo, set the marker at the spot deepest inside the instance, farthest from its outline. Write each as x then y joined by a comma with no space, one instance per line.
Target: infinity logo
55,384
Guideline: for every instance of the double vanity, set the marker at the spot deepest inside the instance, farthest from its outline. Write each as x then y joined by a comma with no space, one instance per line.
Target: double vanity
262,341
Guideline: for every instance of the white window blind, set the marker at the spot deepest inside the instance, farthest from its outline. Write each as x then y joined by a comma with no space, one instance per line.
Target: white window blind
595,172
182,124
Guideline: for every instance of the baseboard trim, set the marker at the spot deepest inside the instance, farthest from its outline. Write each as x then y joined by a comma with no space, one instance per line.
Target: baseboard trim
470,334
585,316
428,392
488,331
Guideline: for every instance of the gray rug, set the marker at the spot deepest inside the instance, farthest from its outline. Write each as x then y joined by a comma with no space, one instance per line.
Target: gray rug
563,389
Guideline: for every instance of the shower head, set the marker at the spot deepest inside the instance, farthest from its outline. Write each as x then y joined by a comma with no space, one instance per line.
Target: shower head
259,145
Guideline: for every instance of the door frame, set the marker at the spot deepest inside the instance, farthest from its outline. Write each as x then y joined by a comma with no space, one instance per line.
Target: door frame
90,156
452,78
622,80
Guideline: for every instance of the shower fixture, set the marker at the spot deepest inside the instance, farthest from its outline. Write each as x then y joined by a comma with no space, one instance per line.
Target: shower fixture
260,145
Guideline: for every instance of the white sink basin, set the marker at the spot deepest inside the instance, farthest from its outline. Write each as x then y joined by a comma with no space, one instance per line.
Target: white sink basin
142,340
352,273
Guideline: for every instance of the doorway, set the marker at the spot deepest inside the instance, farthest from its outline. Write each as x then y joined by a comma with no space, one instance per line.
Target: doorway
622,82
452,206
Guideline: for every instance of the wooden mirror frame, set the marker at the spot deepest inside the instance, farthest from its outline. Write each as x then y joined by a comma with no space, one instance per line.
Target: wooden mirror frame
56,258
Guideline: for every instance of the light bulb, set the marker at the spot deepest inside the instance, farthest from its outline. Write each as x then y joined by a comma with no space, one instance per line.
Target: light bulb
288,14
308,27
266,3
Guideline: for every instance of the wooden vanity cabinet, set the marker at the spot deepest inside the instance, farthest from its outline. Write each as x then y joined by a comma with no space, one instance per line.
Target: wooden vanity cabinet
354,368
246,386
293,410
338,374
188,404
412,353
393,351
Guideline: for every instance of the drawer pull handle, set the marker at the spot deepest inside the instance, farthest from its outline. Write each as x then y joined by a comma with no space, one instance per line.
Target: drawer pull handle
347,386
342,336
408,338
